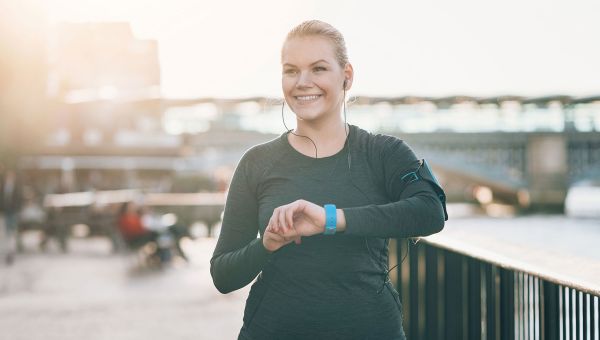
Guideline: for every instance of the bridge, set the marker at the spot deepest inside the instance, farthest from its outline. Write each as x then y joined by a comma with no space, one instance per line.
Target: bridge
526,151
527,169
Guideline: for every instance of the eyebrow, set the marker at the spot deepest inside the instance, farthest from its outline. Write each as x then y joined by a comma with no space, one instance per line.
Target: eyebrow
316,62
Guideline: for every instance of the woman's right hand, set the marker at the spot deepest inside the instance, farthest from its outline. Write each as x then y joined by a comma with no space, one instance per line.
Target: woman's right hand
273,241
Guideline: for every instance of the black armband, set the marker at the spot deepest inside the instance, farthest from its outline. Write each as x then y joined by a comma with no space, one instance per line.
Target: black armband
424,173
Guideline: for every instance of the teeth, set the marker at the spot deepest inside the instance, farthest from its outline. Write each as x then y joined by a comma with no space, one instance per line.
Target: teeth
307,97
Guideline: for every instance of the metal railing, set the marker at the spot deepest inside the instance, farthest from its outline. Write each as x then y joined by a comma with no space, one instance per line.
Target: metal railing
450,294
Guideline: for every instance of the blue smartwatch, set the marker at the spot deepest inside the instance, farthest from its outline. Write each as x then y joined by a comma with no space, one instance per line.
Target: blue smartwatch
330,219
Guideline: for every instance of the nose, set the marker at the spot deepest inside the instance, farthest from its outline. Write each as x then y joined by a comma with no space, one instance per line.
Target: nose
304,80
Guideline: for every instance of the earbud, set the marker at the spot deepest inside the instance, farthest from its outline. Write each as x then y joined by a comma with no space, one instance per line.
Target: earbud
345,83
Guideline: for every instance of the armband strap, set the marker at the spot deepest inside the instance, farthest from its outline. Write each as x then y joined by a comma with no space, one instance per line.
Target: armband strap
330,219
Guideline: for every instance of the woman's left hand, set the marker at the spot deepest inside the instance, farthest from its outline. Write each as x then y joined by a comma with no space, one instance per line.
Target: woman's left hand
299,218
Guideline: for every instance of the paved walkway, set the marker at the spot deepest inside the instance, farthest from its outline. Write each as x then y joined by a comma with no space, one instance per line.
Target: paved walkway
91,294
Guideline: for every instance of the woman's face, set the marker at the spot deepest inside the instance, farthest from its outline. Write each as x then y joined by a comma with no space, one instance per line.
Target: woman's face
312,79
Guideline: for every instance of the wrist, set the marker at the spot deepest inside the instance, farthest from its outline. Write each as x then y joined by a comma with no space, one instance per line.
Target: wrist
341,220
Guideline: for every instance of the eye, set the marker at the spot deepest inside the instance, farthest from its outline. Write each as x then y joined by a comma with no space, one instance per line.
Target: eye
290,71
319,69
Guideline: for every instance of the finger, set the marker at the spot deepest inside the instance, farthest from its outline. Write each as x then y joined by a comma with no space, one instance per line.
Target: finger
278,238
281,218
271,225
274,226
274,237
289,217
298,240
276,223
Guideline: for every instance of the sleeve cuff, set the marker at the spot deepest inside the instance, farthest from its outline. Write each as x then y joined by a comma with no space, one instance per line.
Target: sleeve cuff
354,221
259,250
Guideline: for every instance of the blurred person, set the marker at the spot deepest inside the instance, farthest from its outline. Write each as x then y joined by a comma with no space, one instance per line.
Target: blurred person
4,244
102,222
10,204
32,216
140,225
324,198
131,226
55,227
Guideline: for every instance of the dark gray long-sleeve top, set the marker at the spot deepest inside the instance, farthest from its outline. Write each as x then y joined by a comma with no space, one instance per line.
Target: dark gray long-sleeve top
327,283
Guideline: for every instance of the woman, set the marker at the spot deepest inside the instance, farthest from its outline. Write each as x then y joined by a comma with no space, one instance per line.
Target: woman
325,199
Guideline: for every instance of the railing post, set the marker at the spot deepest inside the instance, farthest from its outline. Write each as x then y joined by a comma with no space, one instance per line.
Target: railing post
507,305
593,316
474,299
432,298
492,304
585,307
577,316
563,311
413,259
453,292
569,316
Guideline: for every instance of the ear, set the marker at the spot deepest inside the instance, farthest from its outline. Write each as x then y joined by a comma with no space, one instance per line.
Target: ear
348,76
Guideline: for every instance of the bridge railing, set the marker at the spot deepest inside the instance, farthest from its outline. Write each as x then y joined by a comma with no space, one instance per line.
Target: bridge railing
450,291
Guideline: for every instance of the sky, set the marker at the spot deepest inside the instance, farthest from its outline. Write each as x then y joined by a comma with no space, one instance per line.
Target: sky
231,48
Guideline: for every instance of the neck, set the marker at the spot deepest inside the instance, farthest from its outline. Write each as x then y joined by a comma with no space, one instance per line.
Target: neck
329,135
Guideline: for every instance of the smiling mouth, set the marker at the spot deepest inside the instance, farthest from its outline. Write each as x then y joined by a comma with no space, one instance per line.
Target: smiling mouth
307,98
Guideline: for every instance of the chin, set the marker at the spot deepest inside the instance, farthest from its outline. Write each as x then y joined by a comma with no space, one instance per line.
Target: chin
308,116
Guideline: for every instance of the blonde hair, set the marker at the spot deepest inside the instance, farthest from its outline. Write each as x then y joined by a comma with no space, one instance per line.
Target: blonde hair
325,30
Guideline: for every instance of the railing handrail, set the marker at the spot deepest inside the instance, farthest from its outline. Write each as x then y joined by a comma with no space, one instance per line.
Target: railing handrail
506,261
